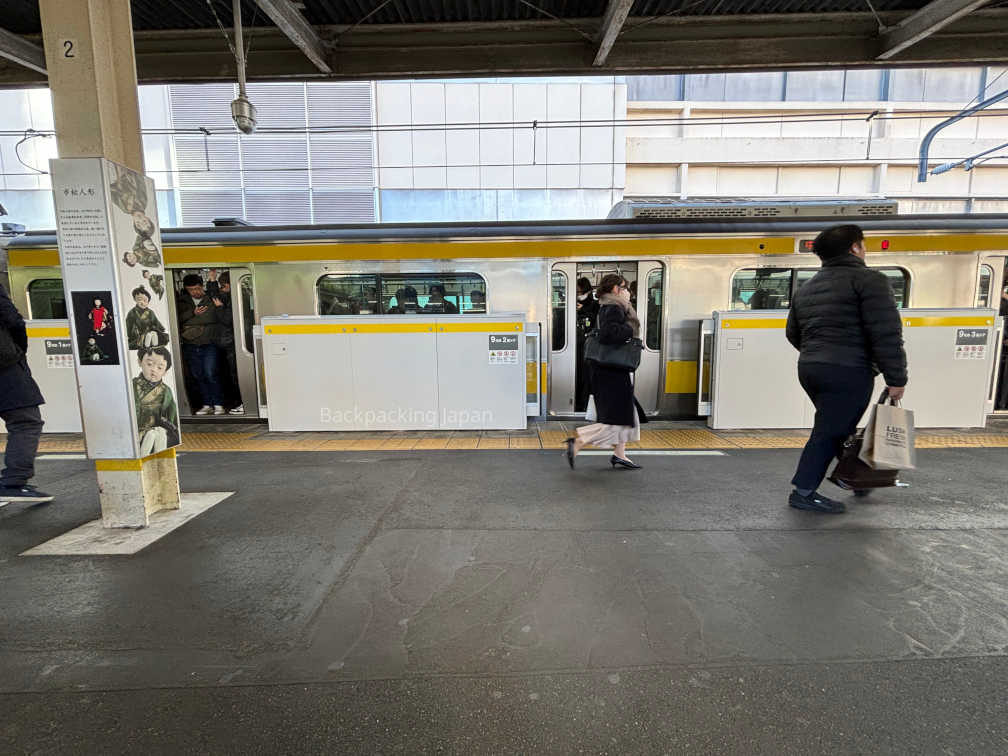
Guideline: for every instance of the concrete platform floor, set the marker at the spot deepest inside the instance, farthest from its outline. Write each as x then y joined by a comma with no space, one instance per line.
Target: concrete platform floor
497,602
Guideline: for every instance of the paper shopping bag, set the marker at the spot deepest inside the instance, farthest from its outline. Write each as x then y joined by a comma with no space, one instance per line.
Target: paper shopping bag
889,439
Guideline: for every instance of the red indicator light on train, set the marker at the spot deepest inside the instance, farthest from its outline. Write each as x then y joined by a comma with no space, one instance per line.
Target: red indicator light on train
885,244
806,245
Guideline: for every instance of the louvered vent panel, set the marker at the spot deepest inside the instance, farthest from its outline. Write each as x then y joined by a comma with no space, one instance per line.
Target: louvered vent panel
277,208
341,104
339,163
192,162
278,106
208,105
275,162
199,208
344,207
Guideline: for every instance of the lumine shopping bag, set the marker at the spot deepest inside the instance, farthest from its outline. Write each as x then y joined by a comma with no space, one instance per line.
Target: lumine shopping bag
889,437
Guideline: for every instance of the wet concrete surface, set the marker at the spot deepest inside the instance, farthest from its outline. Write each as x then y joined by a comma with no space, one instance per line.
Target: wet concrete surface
498,602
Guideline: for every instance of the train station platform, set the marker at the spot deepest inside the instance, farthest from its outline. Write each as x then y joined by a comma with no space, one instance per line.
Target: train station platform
391,597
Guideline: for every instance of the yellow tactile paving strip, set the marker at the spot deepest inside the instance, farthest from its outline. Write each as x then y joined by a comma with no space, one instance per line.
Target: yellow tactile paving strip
544,436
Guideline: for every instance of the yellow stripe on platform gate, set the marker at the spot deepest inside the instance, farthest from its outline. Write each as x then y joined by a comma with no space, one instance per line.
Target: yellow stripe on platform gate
50,333
317,328
938,321
737,323
680,377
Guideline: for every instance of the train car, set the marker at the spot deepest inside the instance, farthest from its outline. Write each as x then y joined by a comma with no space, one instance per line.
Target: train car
683,263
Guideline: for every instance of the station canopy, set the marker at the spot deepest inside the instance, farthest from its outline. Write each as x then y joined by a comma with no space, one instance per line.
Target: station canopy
183,40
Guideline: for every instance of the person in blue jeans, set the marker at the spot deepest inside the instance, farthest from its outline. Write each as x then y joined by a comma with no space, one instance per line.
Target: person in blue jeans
19,408
199,317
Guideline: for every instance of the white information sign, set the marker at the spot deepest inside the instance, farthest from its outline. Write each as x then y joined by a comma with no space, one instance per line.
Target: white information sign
503,349
113,276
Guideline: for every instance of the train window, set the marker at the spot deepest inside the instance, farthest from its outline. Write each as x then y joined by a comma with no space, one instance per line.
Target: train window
558,307
983,296
347,294
433,293
46,300
761,289
899,282
652,334
401,294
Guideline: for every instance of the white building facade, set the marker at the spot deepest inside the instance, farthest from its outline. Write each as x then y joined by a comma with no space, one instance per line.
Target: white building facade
528,149
818,134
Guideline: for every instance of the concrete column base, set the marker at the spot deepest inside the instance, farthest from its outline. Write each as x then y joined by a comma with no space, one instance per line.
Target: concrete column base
130,490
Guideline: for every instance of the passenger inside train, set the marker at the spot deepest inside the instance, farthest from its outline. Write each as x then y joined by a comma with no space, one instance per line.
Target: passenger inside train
437,303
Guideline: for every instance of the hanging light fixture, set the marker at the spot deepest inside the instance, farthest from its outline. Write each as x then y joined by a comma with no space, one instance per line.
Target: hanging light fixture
242,111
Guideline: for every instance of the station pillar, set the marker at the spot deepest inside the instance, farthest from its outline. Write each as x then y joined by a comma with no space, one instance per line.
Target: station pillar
110,253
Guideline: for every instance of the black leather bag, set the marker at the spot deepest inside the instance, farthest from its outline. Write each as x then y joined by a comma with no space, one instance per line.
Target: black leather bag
10,353
853,474
625,356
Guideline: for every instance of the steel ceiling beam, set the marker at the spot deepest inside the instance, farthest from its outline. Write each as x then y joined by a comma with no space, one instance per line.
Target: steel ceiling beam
924,23
612,24
548,48
290,21
22,52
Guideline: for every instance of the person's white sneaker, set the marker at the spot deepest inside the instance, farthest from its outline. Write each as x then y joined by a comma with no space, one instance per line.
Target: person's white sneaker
239,410
218,410
206,409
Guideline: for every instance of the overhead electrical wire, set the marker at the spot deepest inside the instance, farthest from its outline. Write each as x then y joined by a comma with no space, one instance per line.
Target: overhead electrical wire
719,120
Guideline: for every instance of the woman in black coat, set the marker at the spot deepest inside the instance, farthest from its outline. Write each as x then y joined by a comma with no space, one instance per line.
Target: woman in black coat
619,415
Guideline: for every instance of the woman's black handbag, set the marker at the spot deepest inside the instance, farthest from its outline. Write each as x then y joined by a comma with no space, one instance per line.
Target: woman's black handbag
625,356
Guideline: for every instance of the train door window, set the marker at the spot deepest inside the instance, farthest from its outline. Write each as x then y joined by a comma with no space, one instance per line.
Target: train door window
983,296
761,289
248,311
558,306
46,300
353,294
652,333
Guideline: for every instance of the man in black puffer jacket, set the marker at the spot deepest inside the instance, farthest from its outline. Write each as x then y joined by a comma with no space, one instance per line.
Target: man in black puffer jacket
845,324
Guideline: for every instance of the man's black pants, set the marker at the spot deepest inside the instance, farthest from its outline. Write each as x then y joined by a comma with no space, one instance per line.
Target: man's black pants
24,427
841,396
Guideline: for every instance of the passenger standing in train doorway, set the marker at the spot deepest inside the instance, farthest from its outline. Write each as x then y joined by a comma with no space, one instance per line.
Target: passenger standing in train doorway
199,323
219,289
846,327
587,314
619,414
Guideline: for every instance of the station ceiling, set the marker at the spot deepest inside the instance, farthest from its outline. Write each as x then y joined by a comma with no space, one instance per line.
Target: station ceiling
182,40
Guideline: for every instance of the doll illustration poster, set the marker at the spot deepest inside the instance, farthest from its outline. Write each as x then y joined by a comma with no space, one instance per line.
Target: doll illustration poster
137,253
94,327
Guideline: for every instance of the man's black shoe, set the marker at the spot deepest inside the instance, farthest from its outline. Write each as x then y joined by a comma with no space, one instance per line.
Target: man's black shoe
816,502
28,494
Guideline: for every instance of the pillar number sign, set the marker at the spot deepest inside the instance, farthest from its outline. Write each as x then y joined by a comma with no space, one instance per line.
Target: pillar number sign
114,279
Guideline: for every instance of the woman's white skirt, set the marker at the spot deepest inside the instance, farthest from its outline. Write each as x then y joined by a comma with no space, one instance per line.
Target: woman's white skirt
603,435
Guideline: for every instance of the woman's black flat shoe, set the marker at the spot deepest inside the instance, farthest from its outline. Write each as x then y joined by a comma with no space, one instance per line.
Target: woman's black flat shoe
570,452
614,461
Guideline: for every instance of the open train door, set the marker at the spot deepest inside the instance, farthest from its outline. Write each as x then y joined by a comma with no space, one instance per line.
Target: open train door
568,384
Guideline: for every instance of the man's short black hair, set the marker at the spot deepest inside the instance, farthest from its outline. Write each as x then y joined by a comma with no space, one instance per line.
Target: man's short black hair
837,240
141,290
192,280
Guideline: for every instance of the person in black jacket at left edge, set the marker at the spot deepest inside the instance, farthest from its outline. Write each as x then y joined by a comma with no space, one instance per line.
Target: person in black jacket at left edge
846,327
19,407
